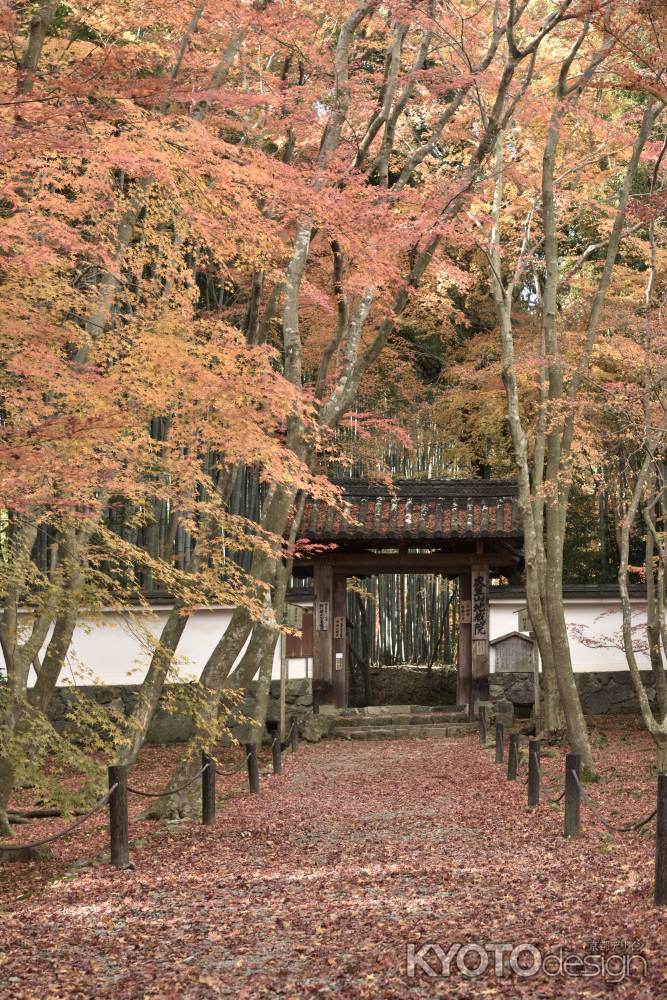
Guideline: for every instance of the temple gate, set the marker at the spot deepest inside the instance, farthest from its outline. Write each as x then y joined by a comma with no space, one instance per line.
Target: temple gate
465,528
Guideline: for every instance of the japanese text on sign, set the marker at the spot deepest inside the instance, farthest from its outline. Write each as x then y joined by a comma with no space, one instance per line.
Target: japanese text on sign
479,614
322,616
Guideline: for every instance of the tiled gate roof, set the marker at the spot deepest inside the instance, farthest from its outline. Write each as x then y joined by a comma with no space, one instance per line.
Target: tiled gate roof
416,510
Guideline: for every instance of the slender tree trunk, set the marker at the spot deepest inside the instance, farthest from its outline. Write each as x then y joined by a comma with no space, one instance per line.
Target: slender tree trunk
653,627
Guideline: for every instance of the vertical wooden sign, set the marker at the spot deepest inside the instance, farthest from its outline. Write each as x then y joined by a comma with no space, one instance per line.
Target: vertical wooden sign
480,633
322,616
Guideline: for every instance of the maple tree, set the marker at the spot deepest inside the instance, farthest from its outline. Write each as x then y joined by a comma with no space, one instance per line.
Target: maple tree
369,218
122,392
226,231
533,268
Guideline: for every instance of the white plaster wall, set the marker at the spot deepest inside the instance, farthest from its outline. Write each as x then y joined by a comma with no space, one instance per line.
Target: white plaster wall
115,647
588,620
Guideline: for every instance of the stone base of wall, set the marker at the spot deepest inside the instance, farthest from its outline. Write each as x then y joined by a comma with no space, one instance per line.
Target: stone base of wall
169,727
408,685
601,692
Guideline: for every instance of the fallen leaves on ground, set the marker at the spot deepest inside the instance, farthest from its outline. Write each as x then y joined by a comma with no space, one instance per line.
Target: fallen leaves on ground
318,885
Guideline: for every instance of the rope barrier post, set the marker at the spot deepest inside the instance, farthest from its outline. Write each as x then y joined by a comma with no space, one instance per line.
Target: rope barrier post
572,795
482,725
533,772
294,735
253,768
207,791
660,892
276,753
513,757
500,747
119,829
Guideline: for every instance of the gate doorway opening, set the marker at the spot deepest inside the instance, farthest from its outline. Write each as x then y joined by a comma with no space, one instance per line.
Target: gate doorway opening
400,620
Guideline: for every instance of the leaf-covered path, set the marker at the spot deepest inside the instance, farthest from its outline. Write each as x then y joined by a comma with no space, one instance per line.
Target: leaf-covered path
316,886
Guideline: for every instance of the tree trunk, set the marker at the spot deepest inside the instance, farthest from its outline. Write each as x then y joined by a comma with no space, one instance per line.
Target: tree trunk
153,684
653,629
6,788
575,722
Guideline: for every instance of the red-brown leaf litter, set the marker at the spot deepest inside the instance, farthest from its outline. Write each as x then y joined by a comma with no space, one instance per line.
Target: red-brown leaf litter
317,886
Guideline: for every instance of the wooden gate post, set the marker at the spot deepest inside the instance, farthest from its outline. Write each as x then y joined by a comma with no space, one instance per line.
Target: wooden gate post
322,634
119,830
253,768
276,753
480,633
660,892
572,795
464,657
533,772
500,746
207,791
513,757
482,725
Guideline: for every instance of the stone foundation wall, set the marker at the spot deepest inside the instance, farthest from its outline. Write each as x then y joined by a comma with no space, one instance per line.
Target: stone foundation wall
408,685
601,692
168,727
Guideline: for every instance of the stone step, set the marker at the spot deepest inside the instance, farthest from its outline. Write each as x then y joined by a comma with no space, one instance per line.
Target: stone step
372,711
440,718
402,732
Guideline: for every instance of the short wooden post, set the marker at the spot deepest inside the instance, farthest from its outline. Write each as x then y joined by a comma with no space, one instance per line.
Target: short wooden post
119,829
276,753
660,893
207,791
253,767
513,757
533,772
572,795
482,725
295,734
500,744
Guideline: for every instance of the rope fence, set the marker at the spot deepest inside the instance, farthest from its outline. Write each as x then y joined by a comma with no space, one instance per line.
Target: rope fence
33,845
234,770
170,791
626,827
574,794
119,791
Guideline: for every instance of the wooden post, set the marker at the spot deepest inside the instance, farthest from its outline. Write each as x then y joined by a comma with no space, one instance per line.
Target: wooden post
283,675
660,892
207,791
572,795
322,625
513,757
480,633
533,772
294,734
119,829
500,745
482,725
339,639
276,753
253,769
464,664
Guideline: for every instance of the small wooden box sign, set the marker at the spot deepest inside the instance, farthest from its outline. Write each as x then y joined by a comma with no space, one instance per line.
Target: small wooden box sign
322,616
466,612
339,627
